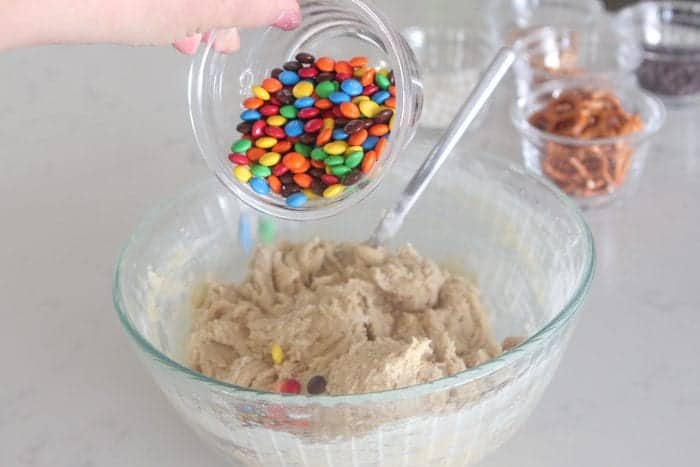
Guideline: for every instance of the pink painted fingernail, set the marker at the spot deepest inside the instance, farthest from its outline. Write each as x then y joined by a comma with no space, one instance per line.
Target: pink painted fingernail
188,45
288,20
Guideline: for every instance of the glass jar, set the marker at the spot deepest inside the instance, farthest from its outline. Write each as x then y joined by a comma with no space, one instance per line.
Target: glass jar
218,83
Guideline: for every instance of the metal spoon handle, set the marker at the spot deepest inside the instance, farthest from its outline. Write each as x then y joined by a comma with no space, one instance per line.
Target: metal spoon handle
391,222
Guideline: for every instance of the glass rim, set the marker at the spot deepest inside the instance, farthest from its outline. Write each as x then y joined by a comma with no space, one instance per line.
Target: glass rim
532,343
651,126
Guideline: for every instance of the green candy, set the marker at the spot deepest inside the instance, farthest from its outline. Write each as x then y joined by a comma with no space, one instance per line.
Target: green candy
318,154
288,111
340,170
302,148
241,146
382,81
325,89
334,160
260,171
336,85
354,159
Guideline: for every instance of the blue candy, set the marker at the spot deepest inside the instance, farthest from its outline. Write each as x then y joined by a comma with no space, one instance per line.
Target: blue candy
380,96
351,87
297,200
250,115
304,102
294,128
339,97
259,185
288,78
370,143
338,133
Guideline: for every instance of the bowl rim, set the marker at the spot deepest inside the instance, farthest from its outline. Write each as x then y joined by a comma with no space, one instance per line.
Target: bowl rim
531,344
651,126
627,20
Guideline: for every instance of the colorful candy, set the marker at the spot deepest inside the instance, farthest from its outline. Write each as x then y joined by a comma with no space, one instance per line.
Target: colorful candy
313,128
277,354
289,386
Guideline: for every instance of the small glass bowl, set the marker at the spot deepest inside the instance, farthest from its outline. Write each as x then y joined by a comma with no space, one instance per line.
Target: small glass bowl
218,84
513,19
664,39
452,60
612,165
551,53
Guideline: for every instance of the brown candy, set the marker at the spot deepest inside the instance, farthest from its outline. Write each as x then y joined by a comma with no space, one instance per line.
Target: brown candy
316,385
304,57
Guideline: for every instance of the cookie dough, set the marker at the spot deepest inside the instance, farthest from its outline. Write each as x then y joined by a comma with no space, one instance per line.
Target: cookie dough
364,318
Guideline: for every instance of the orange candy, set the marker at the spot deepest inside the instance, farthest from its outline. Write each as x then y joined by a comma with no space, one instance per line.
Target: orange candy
343,67
294,161
368,78
369,161
317,164
271,85
390,102
359,62
324,137
306,166
350,110
275,184
282,147
379,148
325,64
379,129
392,90
303,180
253,103
254,153
358,138
323,104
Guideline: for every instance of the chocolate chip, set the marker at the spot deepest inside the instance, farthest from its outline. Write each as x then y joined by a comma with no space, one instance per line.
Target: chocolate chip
352,178
304,57
292,66
244,127
316,385
354,126
384,116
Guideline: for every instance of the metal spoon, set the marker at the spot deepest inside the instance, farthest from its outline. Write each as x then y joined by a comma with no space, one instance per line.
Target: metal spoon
392,220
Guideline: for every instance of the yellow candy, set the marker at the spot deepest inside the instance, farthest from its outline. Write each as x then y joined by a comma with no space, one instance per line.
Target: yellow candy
391,122
352,149
383,71
242,173
335,148
329,123
277,354
269,159
303,89
360,72
333,190
276,120
358,99
266,142
369,108
261,93
309,194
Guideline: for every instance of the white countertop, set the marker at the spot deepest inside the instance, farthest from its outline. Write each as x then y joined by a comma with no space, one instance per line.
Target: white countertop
91,136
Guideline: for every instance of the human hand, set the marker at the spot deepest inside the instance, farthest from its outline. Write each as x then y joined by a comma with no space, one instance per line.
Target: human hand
140,22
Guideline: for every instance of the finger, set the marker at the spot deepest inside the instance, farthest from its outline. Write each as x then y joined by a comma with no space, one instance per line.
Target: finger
188,45
243,14
227,41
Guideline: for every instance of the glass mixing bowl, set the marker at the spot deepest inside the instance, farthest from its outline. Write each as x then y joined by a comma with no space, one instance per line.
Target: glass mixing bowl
523,241
218,84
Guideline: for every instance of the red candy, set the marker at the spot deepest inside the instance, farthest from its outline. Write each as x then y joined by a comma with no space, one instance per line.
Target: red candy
269,110
369,90
289,386
306,73
312,126
238,159
329,179
343,76
275,132
279,170
307,113
258,130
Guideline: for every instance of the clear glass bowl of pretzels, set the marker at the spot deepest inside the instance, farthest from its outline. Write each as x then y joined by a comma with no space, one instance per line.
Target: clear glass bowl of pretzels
588,135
